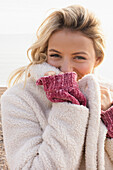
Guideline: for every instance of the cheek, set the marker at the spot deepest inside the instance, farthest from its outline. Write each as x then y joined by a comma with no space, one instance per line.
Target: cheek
85,68
52,62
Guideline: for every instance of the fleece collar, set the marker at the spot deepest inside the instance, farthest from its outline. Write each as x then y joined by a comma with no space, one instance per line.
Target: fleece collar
90,88
38,70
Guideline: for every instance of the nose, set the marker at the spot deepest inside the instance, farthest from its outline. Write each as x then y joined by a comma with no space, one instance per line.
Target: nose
66,66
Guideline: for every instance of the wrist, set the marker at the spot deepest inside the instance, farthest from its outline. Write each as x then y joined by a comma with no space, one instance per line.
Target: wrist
107,116
64,81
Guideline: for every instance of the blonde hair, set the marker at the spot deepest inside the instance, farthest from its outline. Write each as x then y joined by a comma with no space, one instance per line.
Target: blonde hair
74,18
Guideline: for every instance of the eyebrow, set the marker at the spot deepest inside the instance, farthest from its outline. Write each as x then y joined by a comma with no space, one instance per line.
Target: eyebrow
81,52
55,51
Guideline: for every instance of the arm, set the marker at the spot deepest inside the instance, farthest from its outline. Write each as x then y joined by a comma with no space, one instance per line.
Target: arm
62,88
107,118
58,146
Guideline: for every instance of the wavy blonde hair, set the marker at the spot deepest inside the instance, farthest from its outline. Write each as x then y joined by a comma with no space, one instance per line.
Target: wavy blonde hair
74,18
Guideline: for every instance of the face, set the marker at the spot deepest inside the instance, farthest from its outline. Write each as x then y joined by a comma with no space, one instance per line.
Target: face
71,52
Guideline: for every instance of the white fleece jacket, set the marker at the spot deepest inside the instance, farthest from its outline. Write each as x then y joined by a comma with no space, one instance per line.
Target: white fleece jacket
40,135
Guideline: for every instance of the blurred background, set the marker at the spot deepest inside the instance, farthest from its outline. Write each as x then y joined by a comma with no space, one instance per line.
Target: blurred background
19,20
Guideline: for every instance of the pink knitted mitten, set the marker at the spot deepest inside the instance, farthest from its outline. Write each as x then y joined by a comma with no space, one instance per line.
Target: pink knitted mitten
107,118
62,87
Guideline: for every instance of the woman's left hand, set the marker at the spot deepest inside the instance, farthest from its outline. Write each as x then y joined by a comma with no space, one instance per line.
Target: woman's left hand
106,99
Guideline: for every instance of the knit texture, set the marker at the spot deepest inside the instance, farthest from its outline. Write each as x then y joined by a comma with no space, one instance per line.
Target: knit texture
39,134
62,88
107,118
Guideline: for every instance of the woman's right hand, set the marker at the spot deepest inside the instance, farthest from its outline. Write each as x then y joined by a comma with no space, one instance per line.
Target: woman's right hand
49,73
61,88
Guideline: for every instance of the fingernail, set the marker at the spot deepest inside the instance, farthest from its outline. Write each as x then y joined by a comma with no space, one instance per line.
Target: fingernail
61,73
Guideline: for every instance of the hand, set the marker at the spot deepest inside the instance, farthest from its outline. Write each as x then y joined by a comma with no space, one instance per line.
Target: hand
49,73
61,96
62,87
106,99
57,95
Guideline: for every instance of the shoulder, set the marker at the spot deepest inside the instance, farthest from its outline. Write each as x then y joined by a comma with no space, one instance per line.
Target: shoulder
31,95
19,91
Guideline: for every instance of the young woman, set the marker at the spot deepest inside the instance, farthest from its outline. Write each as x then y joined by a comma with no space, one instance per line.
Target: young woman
61,116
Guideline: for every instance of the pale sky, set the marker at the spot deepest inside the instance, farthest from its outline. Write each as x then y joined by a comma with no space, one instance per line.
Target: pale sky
23,16
19,20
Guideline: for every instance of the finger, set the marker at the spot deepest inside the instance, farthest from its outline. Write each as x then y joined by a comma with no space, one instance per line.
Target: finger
105,92
49,73
61,73
103,87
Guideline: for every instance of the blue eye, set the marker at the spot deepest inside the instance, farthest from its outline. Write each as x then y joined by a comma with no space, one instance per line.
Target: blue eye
55,55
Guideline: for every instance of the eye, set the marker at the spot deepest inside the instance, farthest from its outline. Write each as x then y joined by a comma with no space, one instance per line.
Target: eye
55,55
80,58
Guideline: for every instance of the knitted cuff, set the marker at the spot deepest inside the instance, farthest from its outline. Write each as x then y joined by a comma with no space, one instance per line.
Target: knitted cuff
60,81
61,96
107,118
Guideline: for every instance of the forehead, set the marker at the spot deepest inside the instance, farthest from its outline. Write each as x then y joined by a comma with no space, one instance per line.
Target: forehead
68,39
